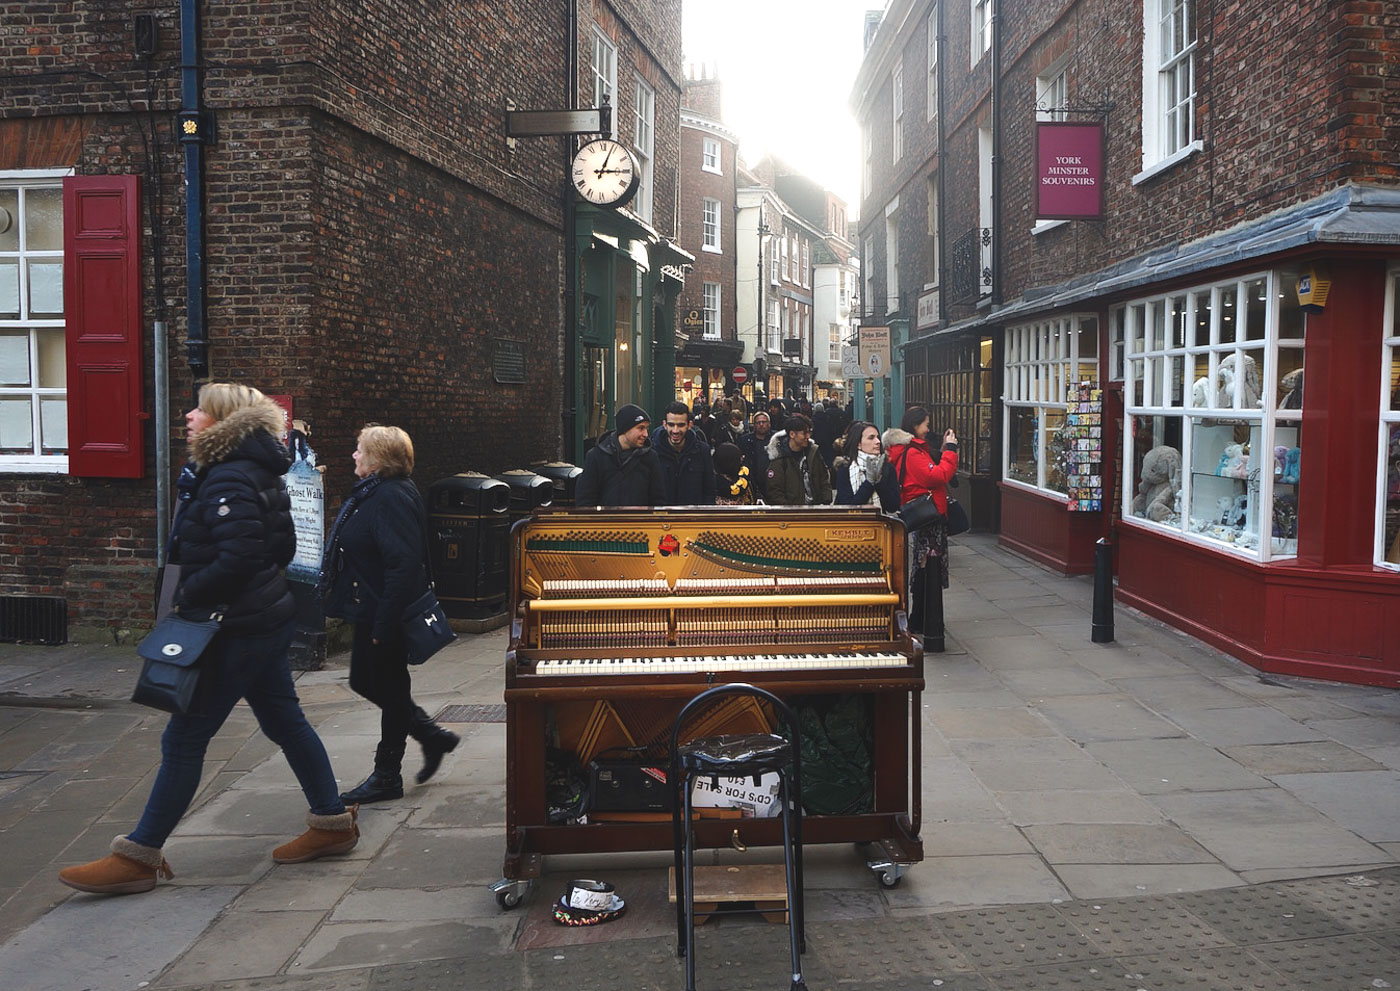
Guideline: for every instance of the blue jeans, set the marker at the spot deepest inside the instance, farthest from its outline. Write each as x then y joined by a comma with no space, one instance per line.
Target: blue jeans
253,668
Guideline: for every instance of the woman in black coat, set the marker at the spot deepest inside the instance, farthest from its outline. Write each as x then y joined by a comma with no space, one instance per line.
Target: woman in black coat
373,569
860,474
232,536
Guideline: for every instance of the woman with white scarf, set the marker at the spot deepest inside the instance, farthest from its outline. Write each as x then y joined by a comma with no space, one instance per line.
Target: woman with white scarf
860,474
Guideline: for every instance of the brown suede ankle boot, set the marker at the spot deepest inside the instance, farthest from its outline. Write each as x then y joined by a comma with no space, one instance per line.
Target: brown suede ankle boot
129,869
328,836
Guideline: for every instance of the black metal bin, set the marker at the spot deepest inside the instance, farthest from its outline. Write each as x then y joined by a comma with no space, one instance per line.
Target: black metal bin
468,535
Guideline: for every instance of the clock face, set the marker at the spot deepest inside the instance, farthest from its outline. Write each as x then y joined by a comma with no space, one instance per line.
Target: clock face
605,173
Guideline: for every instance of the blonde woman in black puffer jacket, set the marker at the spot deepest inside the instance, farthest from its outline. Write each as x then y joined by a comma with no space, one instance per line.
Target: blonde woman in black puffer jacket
232,536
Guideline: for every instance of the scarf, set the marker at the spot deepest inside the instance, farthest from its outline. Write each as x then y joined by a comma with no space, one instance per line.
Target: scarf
859,469
330,562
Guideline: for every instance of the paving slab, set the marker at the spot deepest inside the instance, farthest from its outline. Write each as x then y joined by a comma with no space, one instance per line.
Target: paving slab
1077,774
1153,767
1266,829
1059,680
374,944
1366,802
1087,718
1032,808
1098,881
110,944
224,948
1116,843
940,883
1245,725
1301,758
1361,731
991,724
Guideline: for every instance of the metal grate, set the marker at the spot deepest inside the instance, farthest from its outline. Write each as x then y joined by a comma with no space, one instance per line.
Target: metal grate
33,619
474,713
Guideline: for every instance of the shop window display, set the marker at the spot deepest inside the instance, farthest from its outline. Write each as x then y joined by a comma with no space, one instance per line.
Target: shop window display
1388,501
1214,390
1044,360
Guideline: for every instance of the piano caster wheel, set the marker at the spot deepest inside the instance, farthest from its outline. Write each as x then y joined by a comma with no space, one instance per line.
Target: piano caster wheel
889,874
509,893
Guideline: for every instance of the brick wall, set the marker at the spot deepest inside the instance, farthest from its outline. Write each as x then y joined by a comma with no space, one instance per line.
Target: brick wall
696,185
369,234
1284,114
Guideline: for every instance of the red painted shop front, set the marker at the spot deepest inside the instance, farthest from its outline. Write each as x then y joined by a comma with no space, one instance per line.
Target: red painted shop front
1331,612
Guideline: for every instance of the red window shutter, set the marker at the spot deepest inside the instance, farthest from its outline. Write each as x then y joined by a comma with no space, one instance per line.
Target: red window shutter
102,304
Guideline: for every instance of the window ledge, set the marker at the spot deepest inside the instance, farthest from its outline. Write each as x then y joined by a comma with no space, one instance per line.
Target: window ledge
1166,163
712,249
34,465
1041,226
712,171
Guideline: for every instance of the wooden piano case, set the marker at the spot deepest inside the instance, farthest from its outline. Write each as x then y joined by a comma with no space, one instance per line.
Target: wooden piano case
618,617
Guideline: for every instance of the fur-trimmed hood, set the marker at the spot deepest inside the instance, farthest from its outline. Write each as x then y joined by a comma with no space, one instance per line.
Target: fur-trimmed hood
219,440
778,446
894,436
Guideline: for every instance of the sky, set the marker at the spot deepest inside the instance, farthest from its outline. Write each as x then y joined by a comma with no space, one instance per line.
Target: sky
787,68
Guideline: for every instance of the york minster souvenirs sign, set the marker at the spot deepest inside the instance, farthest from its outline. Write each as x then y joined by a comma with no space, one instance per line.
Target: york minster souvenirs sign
1069,171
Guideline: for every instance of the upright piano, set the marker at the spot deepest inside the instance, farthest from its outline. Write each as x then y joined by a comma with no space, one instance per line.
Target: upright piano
620,616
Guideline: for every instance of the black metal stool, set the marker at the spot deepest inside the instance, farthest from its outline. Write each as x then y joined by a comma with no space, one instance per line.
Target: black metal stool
737,756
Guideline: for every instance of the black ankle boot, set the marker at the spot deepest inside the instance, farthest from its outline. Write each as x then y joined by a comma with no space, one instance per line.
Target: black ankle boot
436,742
384,783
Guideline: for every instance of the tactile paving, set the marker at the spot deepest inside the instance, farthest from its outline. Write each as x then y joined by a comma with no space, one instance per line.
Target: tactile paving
472,713
445,975
1259,915
898,947
1327,964
1119,927
1226,969
1361,902
1022,935
1078,975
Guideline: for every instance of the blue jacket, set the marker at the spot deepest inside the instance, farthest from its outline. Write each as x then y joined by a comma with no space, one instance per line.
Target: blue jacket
689,473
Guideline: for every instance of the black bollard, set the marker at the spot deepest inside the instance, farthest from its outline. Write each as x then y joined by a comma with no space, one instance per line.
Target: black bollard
933,607
1103,592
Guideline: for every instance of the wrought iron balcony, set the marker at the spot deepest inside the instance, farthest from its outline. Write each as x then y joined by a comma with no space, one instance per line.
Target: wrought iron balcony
970,266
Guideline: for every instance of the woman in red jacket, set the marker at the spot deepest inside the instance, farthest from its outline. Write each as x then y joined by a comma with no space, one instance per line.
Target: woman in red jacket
921,470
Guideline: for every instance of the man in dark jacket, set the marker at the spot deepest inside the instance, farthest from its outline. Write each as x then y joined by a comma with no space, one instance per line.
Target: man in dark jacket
754,444
621,470
685,460
797,475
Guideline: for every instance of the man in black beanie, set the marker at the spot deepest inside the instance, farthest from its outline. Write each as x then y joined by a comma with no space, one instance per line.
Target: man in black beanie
622,469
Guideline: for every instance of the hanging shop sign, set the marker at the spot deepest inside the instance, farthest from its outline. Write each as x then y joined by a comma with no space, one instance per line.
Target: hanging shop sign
928,309
850,362
875,351
693,320
1069,171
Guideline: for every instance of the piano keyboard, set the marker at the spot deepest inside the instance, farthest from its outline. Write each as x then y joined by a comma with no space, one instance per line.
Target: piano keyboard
707,663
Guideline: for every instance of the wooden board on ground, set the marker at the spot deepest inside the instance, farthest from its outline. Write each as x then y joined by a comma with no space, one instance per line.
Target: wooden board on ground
765,885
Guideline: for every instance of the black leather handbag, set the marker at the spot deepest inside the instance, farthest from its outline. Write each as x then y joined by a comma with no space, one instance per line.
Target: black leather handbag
171,656
920,512
424,624
425,628
957,518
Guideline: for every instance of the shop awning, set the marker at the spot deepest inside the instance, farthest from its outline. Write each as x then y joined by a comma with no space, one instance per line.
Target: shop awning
1351,215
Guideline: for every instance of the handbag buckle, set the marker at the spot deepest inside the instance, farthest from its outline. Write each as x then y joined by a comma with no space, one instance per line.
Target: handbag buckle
172,650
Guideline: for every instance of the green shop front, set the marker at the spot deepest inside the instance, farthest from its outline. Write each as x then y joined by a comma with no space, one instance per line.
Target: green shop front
624,344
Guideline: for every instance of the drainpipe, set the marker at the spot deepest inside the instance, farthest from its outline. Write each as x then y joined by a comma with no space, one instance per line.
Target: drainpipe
571,333
996,152
941,190
192,115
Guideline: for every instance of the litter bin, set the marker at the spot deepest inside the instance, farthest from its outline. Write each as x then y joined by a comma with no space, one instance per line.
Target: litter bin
469,538
528,492
564,476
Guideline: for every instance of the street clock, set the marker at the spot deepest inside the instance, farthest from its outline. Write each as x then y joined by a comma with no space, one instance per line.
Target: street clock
605,173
